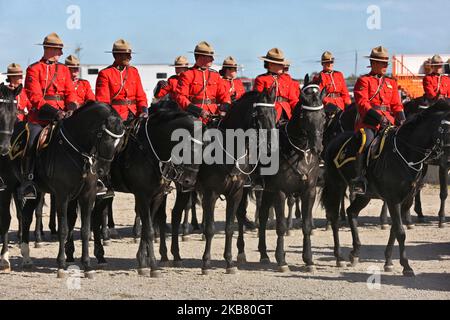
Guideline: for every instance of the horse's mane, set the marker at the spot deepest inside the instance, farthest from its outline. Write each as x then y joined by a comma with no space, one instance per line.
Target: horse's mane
166,111
244,100
89,105
441,106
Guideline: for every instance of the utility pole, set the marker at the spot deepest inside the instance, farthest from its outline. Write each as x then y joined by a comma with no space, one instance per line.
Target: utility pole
356,63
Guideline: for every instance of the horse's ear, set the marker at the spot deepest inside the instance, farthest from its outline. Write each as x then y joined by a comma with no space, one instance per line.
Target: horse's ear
18,90
306,81
323,94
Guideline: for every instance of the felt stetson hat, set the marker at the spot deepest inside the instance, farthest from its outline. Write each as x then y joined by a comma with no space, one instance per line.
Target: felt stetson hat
436,60
204,48
327,56
180,62
72,62
121,46
379,54
14,69
52,41
230,62
275,55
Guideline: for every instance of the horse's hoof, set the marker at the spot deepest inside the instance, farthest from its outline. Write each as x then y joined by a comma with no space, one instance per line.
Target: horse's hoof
185,238
384,226
354,260
310,268
388,268
284,268
164,264
106,243
441,225
408,273
155,273
328,227
206,272
145,272
178,263
288,233
341,264
70,260
203,237
62,274
89,274
264,260
410,226
38,245
232,270
241,258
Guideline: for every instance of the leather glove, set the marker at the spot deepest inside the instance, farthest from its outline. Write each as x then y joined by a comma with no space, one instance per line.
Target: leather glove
68,113
60,115
205,114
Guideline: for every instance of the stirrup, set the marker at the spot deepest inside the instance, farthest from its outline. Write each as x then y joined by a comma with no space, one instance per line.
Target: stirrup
31,195
101,188
358,187
3,185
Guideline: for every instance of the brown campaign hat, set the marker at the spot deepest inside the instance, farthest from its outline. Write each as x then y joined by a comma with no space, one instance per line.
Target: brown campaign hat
275,55
204,48
327,56
230,62
436,60
14,69
180,62
52,41
72,62
121,46
379,54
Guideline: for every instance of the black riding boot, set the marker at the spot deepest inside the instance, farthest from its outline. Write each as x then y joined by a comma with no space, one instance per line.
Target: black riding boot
27,189
358,185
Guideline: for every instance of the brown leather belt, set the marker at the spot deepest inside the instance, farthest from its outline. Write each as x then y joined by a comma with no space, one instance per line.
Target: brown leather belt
281,99
123,102
334,95
201,101
54,98
381,108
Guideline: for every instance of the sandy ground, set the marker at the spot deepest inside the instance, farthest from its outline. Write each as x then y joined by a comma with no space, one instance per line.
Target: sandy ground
428,248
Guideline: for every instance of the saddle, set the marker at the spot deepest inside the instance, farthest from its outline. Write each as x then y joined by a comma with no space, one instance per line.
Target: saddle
45,137
355,144
22,140
131,129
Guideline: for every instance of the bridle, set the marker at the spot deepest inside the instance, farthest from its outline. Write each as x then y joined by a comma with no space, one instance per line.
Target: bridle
436,151
168,169
14,102
90,158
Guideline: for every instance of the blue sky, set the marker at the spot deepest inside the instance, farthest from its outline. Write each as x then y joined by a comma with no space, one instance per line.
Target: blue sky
160,30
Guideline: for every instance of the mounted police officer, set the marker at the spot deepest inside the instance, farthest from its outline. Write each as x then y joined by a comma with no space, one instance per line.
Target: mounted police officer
200,89
233,85
52,95
168,88
82,87
334,83
436,84
378,103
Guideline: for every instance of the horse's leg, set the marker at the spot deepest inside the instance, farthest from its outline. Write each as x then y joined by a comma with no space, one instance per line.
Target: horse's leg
241,257
279,207
258,197
52,222
182,201
19,208
266,202
194,219
208,204
61,210
334,204
27,219
443,181
418,207
146,255
86,202
97,214
38,230
137,227
384,216
5,222
71,220
105,231
185,224
161,219
400,234
113,233
353,210
341,212
233,202
308,199
290,204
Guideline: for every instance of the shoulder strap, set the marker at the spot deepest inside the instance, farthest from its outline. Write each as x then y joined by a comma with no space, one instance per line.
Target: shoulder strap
378,89
53,79
122,84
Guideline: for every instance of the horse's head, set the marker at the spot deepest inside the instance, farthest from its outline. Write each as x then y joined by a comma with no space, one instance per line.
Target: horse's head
265,114
98,130
164,129
8,115
310,115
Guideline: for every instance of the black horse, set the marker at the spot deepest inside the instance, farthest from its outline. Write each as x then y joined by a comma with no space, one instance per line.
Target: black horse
300,146
8,118
81,150
393,176
144,168
253,110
